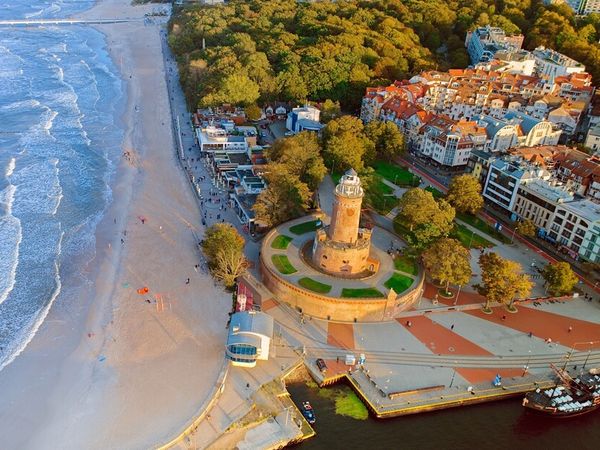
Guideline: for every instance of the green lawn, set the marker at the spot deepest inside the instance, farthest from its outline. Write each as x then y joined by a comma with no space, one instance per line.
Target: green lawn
482,225
281,242
304,227
436,193
348,404
399,283
361,293
283,264
313,285
378,196
466,236
406,264
396,174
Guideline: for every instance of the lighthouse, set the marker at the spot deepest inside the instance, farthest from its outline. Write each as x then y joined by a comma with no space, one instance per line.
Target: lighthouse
342,248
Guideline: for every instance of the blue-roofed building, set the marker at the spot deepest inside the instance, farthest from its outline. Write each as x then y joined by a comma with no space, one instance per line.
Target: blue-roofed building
304,119
517,129
249,339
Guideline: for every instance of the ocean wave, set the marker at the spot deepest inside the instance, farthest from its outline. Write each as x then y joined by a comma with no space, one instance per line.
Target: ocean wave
21,104
39,188
10,240
18,345
53,8
10,168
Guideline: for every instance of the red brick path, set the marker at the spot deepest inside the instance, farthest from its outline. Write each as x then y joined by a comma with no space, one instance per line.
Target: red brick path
443,341
340,335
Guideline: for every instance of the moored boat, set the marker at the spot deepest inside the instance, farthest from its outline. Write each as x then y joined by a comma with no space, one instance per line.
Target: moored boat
569,397
308,412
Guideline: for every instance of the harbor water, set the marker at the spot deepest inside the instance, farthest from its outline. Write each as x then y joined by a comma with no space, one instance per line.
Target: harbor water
488,426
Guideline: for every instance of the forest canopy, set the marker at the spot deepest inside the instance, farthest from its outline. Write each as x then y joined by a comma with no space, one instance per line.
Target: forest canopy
263,50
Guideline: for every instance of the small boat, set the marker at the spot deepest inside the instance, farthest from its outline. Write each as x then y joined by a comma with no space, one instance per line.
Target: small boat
569,397
308,413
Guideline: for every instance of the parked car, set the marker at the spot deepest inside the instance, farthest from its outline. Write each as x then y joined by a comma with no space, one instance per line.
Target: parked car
321,365
289,133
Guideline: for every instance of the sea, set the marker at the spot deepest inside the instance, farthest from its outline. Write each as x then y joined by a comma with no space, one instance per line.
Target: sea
61,100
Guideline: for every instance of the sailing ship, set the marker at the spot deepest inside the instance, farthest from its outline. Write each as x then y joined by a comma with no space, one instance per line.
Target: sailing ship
569,397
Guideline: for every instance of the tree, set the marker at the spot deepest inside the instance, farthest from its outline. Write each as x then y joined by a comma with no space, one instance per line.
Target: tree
330,110
448,261
464,193
345,144
526,228
284,198
236,89
253,112
501,281
301,156
387,137
559,278
224,250
427,219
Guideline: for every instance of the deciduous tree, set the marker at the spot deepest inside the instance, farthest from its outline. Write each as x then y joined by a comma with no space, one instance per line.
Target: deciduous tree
502,280
560,278
464,194
330,110
253,112
526,227
224,250
345,145
387,137
301,156
284,198
427,219
448,261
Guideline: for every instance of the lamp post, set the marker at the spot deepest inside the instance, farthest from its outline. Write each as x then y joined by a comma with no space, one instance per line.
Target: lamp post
452,380
457,294
587,357
526,366
471,239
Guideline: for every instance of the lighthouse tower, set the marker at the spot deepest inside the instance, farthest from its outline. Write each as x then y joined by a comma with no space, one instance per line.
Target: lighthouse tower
343,247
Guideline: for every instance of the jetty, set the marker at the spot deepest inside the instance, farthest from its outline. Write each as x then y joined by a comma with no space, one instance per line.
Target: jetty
44,22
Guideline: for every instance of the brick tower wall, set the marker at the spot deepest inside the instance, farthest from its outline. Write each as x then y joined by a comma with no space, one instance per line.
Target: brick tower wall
345,219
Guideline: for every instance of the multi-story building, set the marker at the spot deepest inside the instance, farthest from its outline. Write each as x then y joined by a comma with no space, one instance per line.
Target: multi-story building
213,139
585,7
449,143
484,42
504,178
305,118
575,229
592,140
537,201
517,129
551,63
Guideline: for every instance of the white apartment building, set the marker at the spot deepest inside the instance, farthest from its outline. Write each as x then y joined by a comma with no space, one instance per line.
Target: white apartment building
554,64
585,7
213,139
576,229
504,178
537,201
484,42
305,118
592,139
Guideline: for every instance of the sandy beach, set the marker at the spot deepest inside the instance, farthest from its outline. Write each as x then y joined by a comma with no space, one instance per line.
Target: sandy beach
116,369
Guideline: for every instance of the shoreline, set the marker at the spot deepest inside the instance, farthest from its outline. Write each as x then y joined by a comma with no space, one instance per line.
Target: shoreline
110,369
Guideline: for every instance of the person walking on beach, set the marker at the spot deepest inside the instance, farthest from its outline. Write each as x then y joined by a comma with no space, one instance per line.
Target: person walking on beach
187,281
